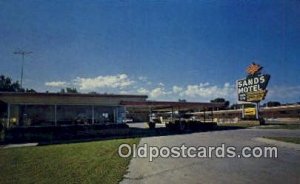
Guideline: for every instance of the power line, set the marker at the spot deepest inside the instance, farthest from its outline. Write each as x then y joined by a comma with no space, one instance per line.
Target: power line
23,53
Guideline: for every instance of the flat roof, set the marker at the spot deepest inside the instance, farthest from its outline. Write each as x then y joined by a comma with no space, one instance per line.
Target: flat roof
128,100
67,98
70,94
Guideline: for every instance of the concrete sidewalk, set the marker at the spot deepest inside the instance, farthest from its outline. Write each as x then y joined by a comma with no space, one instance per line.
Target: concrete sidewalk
18,145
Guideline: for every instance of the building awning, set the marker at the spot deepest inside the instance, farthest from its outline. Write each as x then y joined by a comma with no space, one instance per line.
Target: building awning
168,105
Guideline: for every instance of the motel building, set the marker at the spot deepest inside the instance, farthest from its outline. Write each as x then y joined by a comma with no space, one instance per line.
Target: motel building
55,109
63,109
27,117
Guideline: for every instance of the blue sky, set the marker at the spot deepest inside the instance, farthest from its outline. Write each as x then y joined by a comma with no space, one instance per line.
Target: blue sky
171,49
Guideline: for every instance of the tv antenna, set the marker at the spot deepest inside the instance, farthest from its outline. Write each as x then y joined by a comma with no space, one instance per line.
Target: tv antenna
23,53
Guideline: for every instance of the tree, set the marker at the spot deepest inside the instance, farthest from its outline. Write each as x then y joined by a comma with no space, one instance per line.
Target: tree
68,90
273,104
71,90
222,100
30,90
235,106
7,85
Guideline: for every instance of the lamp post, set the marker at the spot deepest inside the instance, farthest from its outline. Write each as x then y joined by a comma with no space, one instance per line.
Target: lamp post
23,54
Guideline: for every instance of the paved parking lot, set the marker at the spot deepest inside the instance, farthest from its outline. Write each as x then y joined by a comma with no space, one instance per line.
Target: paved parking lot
284,169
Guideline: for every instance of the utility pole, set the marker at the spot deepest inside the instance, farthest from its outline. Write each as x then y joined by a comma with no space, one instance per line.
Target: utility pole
23,54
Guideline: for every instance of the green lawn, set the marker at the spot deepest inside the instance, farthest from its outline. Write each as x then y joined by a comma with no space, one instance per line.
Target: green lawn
92,162
295,140
267,126
281,126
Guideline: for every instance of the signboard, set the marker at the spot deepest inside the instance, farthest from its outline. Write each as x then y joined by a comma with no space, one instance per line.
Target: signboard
250,111
253,88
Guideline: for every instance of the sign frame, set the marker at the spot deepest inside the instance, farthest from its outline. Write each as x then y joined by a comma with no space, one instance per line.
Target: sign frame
260,92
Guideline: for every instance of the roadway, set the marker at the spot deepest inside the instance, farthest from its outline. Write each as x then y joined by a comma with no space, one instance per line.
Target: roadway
284,169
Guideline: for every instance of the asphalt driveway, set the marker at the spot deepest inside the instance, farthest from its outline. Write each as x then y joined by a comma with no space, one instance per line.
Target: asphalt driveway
284,169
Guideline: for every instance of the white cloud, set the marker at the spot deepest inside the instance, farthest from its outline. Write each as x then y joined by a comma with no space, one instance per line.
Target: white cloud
110,81
142,78
153,93
157,92
161,84
203,91
177,89
284,92
56,84
208,91
145,80
120,83
142,91
124,92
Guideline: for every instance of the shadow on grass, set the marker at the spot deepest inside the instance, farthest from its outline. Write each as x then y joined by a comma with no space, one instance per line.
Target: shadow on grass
64,136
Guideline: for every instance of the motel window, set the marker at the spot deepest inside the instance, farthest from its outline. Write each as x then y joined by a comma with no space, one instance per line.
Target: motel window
31,115
104,114
74,114
44,115
108,114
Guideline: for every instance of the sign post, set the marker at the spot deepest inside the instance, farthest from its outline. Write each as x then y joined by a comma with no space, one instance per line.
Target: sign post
257,110
253,88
